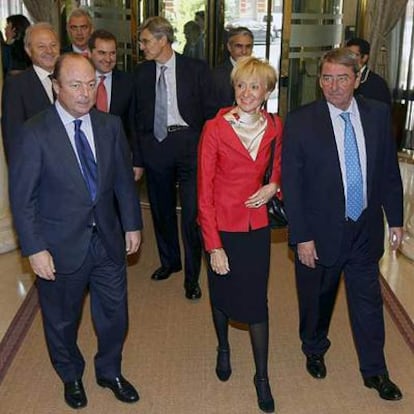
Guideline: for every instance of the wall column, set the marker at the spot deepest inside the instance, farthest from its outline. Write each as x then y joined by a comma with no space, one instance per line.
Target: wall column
8,239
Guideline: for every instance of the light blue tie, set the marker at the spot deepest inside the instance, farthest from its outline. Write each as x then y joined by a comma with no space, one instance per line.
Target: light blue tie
161,104
354,186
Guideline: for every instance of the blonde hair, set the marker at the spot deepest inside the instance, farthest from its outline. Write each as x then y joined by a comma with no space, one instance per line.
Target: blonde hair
250,66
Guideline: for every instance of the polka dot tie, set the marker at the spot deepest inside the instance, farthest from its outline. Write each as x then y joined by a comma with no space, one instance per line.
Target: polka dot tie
354,187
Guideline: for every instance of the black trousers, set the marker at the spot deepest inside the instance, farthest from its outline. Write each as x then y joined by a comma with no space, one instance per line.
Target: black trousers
317,289
61,304
170,164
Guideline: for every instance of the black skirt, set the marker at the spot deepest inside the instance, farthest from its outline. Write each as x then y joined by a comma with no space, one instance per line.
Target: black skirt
242,293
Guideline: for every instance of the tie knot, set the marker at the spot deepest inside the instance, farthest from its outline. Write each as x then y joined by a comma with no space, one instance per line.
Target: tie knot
102,78
50,76
163,68
346,116
77,123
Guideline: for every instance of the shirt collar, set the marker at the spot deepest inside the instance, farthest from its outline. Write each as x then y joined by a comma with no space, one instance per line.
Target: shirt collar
170,63
66,117
107,75
336,112
42,73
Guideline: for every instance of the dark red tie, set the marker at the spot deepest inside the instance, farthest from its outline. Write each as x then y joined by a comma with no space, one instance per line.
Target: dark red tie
102,96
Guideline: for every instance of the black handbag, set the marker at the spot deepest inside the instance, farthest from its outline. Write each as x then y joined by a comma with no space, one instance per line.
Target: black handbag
275,206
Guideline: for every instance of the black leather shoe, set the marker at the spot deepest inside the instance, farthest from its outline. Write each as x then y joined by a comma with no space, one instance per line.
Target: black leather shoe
123,390
163,273
75,395
315,365
223,367
193,292
385,387
264,395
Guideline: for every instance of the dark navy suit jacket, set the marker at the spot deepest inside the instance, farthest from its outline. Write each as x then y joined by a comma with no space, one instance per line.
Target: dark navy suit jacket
23,96
373,87
222,87
121,97
194,96
51,205
312,182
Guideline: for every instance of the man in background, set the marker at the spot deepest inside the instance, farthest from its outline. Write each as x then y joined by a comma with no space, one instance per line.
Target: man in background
79,28
172,101
29,92
114,87
371,84
77,215
240,43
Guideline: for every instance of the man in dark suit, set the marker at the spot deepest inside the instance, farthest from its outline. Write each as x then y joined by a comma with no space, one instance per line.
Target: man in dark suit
240,43
371,85
114,87
79,28
171,156
77,214
339,173
29,92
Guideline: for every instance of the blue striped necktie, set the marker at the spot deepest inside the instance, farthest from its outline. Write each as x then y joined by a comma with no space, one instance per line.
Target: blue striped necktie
354,186
87,160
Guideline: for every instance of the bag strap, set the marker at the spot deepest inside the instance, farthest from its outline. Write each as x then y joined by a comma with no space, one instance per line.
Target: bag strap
269,169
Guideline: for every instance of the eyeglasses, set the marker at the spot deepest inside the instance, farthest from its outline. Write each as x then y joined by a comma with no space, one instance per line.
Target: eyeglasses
146,42
341,80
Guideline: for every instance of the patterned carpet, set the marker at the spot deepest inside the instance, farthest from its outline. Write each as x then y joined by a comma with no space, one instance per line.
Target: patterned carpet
170,355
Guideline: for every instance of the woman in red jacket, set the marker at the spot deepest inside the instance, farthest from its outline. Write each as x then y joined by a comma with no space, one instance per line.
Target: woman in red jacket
234,154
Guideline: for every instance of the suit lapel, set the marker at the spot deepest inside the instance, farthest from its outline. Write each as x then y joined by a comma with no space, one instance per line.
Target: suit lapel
369,123
67,156
35,82
100,140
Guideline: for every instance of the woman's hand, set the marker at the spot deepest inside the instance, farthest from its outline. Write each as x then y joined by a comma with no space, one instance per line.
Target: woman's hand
219,261
262,196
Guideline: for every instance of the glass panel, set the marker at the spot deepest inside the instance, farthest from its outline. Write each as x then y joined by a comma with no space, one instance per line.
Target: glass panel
188,19
315,27
253,15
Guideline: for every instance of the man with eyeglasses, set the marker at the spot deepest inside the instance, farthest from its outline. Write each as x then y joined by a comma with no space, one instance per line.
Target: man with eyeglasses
339,175
239,44
371,85
173,99
77,216
79,28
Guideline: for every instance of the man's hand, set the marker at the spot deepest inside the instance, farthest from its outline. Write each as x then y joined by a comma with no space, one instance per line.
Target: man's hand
132,241
138,171
42,265
307,253
395,237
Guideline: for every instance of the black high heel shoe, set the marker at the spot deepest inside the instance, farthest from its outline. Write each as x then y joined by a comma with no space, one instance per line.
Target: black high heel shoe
223,367
264,395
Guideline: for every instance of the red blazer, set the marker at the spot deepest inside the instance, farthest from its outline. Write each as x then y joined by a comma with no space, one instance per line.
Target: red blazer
227,176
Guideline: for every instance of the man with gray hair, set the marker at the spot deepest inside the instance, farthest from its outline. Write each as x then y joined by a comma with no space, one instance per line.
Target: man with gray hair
79,28
239,44
29,92
172,95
